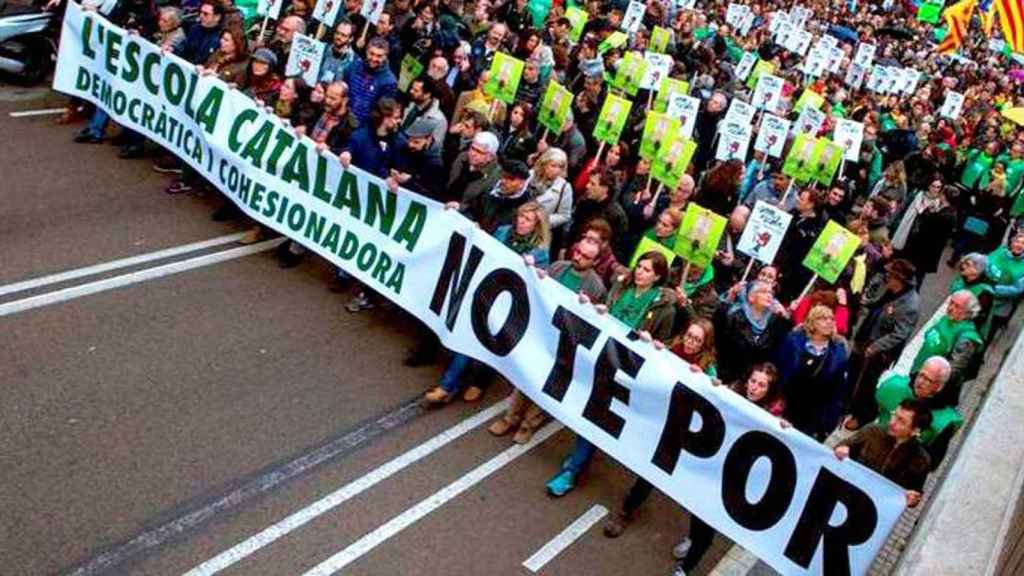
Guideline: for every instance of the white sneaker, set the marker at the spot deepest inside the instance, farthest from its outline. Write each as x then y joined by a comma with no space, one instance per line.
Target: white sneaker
677,570
679,552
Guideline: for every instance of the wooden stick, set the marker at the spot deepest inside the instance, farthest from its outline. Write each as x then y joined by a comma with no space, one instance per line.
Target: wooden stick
686,274
650,99
492,110
600,151
807,288
544,136
366,29
746,273
657,194
789,189
647,189
842,168
320,31
263,30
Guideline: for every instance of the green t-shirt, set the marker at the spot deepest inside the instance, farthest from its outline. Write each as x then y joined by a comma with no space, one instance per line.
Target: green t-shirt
631,308
570,279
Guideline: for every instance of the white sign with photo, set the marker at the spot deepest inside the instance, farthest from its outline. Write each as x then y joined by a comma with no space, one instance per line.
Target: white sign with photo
768,92
269,8
372,9
952,105
305,58
849,135
739,112
865,55
733,141
771,136
327,11
763,234
686,109
658,67
745,66
634,16
810,120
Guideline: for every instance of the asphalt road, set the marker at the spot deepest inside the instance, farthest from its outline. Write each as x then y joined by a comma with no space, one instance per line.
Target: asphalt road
154,424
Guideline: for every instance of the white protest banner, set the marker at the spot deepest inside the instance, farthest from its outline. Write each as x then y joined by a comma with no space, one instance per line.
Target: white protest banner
739,112
326,11
952,105
865,55
763,234
771,136
372,9
810,120
703,446
686,109
768,92
733,142
685,4
634,16
745,66
104,7
269,8
849,135
305,58
658,67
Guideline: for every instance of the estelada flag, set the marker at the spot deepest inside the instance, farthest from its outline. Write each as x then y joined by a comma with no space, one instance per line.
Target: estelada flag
1011,19
958,21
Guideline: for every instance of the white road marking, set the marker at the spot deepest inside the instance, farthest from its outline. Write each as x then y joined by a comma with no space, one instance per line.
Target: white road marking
364,545
276,531
117,264
43,112
566,537
134,277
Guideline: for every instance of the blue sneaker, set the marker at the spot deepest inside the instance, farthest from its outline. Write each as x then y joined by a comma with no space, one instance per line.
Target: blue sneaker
562,483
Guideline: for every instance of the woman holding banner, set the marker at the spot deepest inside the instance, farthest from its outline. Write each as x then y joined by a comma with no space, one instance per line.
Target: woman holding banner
812,361
640,302
529,237
750,329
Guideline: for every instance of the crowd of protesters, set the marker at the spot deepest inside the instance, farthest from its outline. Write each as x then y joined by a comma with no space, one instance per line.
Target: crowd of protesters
815,358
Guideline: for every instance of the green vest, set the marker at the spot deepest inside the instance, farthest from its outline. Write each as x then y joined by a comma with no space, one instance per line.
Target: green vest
894,390
978,288
1003,268
1014,172
976,172
940,339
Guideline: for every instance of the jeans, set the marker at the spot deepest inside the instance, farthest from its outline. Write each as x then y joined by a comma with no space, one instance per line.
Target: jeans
97,123
582,454
451,380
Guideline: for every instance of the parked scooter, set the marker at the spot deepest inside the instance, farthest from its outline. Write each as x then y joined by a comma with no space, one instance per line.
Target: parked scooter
28,41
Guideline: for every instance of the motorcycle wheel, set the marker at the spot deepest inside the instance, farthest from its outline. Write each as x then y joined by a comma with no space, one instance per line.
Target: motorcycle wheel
38,62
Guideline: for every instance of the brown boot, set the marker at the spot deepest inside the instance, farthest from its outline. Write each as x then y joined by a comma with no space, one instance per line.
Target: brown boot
500,427
472,394
252,236
524,434
436,397
617,524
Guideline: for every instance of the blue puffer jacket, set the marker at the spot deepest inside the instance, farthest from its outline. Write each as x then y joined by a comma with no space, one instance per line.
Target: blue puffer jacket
366,86
372,153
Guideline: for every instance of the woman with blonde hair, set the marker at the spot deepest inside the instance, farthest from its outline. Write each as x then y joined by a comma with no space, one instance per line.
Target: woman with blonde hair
549,188
528,237
812,362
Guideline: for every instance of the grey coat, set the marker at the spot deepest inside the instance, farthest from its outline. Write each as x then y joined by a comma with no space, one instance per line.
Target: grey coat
895,323
492,173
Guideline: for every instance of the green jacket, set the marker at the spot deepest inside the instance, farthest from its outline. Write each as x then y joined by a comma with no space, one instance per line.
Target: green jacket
977,167
958,342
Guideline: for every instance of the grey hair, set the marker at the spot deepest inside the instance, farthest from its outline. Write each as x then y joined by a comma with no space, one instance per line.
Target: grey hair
942,363
173,13
300,24
973,306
